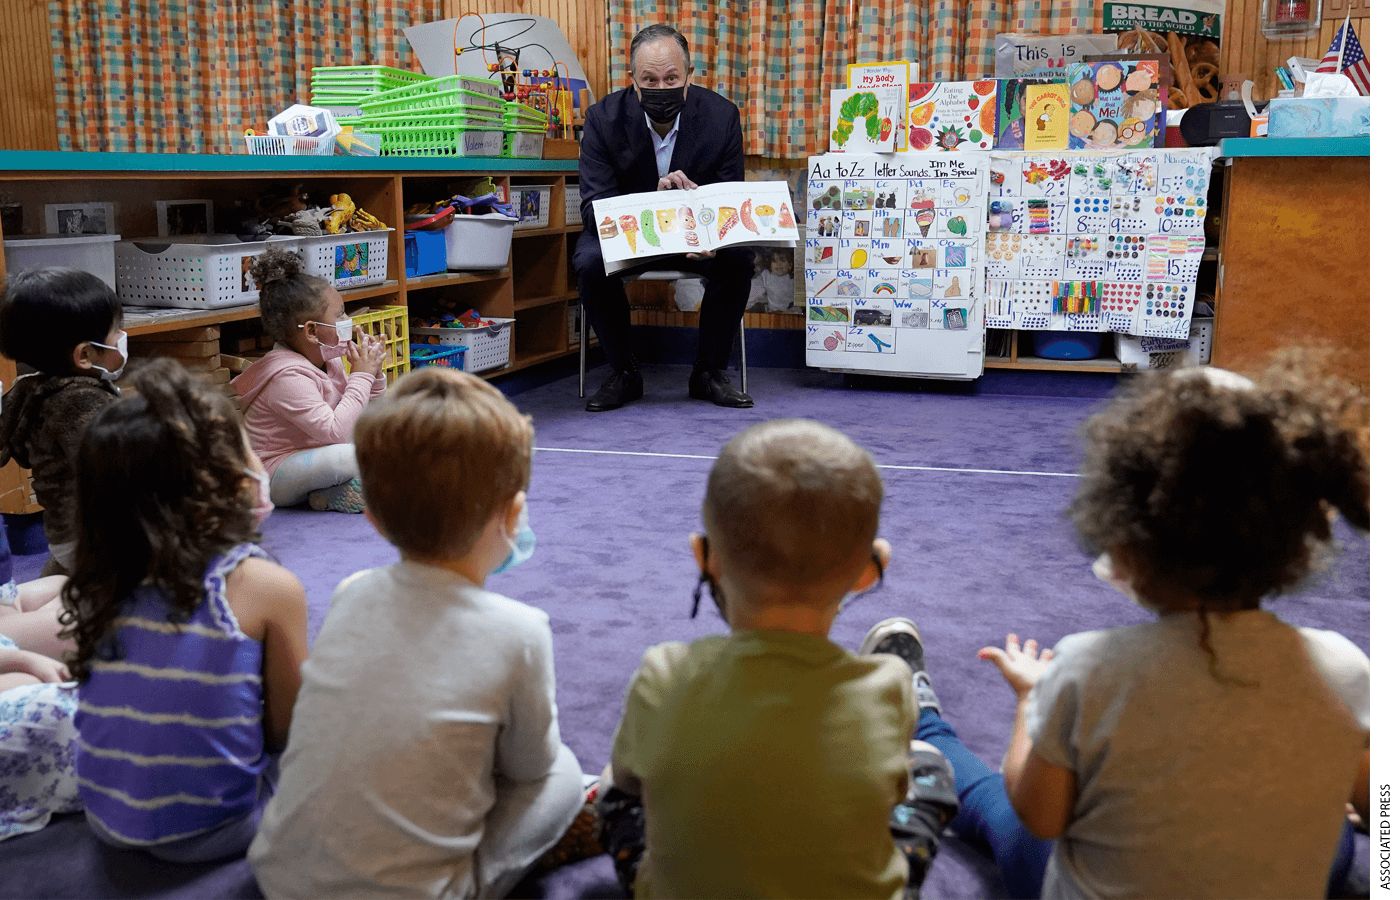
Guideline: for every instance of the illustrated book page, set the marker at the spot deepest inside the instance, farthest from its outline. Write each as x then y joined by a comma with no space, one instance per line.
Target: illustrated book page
634,227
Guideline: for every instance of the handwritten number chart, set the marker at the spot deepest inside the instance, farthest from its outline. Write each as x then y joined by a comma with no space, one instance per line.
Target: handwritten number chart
1128,232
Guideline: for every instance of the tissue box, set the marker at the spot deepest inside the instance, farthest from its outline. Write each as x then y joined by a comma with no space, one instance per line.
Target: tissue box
1320,117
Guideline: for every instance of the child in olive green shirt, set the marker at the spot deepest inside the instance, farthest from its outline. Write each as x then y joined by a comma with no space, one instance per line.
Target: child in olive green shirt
771,762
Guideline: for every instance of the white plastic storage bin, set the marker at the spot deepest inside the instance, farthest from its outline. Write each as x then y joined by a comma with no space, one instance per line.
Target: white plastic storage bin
1165,353
195,272
348,260
531,203
490,344
289,145
477,242
88,252
573,205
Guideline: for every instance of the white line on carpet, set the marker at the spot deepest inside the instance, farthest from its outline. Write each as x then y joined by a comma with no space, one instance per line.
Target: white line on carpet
905,468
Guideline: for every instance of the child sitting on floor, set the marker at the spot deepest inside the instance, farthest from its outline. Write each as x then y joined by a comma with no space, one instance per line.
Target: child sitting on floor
771,762
300,404
67,325
189,641
425,757
36,705
1209,753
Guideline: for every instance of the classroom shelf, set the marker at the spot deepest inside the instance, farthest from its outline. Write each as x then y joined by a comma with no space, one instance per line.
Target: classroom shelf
1053,365
532,302
448,279
371,292
137,321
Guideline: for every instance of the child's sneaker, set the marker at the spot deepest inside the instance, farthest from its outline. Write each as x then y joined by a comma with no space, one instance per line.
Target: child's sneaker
579,842
346,497
900,637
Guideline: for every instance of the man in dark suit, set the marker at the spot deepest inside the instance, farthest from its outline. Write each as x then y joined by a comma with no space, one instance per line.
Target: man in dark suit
662,133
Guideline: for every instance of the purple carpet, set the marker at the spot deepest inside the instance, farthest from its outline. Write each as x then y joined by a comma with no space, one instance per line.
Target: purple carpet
976,490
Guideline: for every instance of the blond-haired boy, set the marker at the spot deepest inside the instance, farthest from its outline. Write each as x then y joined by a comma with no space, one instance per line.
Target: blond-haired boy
424,757
771,762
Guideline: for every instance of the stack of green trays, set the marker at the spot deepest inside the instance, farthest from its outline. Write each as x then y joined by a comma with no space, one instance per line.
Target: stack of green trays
519,117
348,85
429,119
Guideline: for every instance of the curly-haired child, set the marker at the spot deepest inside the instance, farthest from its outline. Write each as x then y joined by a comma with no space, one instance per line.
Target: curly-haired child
300,403
1211,752
189,641
67,326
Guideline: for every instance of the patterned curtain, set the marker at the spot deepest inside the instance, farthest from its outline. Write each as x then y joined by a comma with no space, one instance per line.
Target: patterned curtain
188,76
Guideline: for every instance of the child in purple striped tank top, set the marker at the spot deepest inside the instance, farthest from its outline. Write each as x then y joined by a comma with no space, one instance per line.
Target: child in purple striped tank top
189,641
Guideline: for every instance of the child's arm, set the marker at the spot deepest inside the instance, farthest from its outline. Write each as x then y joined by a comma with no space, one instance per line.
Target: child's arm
1361,790
1042,794
271,607
527,746
25,662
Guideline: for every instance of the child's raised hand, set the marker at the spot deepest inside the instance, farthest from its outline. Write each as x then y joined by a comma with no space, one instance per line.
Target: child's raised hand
366,355
1021,666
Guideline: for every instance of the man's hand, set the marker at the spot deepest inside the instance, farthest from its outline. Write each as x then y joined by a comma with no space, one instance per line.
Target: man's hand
703,254
676,179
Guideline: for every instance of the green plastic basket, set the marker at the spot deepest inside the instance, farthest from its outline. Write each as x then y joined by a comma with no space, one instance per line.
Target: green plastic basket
479,87
522,111
421,140
447,100
363,79
430,119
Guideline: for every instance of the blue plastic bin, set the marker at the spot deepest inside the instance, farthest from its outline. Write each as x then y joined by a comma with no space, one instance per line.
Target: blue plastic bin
1067,344
425,252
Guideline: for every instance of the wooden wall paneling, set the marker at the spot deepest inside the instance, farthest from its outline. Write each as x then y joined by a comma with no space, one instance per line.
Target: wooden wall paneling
1244,49
583,22
28,112
1280,283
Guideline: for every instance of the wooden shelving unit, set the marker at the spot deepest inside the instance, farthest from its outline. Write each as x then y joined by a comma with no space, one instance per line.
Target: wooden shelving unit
534,288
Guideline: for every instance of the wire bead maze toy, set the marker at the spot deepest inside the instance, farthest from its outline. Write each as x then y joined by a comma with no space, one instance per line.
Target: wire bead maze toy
544,90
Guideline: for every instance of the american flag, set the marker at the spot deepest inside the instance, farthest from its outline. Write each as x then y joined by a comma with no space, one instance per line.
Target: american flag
1346,56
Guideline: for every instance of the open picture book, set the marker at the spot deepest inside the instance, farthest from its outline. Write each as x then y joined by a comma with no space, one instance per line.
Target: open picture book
635,227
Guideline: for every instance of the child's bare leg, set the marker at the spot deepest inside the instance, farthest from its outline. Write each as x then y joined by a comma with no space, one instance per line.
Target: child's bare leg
35,627
40,591
16,679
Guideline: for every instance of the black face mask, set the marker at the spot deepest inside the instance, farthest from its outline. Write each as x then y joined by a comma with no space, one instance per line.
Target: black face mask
663,104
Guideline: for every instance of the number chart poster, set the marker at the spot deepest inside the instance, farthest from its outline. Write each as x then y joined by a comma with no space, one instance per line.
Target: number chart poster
1096,241
893,262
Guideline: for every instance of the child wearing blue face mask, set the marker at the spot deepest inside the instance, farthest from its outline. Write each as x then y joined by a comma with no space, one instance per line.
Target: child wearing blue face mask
425,757
66,325
300,403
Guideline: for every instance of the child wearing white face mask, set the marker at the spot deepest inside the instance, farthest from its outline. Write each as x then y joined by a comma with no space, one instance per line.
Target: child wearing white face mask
66,325
425,757
300,403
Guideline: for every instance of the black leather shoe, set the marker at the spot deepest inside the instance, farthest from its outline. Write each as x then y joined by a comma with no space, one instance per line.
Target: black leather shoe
713,385
620,388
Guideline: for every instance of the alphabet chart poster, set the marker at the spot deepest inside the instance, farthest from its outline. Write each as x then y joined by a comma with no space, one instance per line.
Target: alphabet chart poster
894,262
1096,241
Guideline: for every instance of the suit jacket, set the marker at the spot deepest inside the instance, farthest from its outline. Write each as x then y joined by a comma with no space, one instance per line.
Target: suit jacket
616,155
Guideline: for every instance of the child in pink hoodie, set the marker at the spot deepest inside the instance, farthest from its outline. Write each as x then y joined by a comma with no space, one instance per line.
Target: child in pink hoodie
299,403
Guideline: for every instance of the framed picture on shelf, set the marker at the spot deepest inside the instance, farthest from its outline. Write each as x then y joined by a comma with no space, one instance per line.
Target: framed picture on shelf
175,217
80,218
